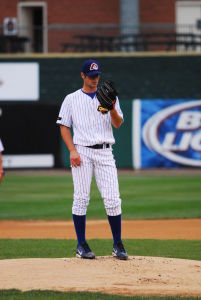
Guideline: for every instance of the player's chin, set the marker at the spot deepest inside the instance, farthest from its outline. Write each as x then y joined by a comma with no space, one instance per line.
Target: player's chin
94,84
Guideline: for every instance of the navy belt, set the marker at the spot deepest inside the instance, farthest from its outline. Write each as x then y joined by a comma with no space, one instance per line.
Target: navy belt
99,146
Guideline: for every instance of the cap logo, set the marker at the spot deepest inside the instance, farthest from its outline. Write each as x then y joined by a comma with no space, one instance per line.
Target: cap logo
93,66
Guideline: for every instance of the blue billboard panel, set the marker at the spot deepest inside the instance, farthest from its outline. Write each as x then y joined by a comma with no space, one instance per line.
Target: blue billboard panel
167,133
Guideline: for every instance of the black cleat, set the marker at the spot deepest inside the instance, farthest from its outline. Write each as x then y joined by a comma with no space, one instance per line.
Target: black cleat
119,251
83,251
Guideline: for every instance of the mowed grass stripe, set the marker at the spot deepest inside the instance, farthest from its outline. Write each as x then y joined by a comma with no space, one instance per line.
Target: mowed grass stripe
50,248
52,295
143,197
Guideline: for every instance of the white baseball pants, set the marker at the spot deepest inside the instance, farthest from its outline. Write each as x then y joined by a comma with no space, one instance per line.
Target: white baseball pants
101,163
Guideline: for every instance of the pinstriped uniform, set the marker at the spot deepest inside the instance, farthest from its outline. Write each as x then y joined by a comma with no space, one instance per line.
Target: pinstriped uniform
1,146
91,127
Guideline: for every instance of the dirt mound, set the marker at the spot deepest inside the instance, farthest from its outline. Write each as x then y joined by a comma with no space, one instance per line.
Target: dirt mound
136,276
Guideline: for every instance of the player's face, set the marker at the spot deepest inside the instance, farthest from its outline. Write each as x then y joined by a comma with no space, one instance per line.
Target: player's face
90,82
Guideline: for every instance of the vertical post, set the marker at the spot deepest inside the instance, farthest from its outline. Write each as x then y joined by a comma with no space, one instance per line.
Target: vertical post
129,21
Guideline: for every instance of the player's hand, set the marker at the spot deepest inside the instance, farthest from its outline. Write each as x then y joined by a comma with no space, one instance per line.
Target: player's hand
75,158
1,174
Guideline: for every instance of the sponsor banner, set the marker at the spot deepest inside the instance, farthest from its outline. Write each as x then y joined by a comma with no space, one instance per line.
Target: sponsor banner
19,81
28,161
166,133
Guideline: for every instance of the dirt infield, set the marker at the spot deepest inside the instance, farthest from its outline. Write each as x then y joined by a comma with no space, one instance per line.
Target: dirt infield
189,229
137,276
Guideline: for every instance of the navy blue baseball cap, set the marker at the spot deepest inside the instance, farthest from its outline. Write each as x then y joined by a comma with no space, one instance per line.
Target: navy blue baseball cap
91,67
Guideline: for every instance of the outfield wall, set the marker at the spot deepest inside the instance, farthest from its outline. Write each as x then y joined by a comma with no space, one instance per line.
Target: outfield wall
162,75
29,110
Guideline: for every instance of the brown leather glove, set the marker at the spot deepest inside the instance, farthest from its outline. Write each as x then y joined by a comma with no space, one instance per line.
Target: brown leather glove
106,95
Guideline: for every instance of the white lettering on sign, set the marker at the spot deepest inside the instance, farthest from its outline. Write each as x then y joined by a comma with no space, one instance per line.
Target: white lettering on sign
189,120
184,144
196,142
187,140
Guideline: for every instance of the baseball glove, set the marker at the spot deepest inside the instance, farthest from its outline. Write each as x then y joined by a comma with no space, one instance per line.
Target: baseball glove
106,95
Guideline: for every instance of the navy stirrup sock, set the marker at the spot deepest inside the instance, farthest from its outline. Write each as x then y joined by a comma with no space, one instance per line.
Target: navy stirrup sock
80,224
115,224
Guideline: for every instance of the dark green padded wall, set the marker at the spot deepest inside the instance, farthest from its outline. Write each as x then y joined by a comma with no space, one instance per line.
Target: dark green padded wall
123,137
136,77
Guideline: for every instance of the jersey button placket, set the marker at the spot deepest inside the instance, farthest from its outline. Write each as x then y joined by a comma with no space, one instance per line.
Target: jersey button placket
95,118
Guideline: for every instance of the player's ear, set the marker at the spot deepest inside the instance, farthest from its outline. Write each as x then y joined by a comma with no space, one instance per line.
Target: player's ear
83,75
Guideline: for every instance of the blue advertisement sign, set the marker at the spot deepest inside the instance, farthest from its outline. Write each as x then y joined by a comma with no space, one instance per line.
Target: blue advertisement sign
166,133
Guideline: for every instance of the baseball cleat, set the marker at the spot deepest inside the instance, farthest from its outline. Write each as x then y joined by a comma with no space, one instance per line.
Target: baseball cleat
83,251
119,251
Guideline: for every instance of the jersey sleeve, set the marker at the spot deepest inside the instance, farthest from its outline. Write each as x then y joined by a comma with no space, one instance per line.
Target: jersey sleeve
1,146
118,108
65,114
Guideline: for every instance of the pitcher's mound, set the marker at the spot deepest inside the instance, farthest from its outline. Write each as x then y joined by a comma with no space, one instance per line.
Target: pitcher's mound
136,276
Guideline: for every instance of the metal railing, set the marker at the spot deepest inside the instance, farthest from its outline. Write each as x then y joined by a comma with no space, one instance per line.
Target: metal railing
101,38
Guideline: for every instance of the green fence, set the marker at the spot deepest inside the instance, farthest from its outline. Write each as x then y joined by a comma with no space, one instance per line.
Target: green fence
137,76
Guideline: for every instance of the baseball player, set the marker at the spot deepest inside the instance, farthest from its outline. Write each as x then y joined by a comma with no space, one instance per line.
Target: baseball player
1,166
91,113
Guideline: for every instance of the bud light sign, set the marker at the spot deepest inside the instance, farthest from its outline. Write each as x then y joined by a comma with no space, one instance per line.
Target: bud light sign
166,133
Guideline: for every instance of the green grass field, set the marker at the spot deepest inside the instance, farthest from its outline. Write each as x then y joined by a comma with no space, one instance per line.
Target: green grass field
144,197
25,248
47,295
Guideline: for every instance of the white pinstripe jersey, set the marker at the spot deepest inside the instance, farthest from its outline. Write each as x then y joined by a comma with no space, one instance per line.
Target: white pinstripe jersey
1,146
90,126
